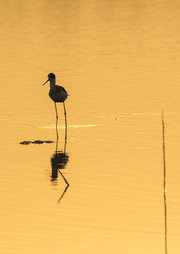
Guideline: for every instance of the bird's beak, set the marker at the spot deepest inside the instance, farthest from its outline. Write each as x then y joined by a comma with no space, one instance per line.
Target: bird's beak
45,82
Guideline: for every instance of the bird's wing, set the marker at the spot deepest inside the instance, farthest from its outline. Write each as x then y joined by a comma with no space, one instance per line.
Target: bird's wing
63,89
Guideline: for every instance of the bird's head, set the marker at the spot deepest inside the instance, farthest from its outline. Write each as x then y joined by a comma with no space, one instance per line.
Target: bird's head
51,77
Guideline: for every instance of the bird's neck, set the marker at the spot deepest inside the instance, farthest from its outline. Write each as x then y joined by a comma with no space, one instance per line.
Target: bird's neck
52,84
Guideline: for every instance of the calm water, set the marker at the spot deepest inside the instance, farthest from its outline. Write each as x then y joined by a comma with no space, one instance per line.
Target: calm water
119,61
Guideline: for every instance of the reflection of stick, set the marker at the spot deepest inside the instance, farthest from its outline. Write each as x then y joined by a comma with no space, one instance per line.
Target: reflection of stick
67,186
164,169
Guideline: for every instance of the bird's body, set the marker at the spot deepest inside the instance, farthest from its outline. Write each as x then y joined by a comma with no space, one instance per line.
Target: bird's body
58,94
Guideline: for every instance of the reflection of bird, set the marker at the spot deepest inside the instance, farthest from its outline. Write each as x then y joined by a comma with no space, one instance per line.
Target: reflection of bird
57,94
58,162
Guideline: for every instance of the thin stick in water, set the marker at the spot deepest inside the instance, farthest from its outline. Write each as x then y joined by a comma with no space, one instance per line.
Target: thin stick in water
164,184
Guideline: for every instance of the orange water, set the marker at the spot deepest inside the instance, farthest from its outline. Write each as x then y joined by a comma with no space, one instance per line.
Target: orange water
119,61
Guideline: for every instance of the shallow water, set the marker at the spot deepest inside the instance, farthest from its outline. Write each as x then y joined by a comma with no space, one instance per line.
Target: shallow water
119,61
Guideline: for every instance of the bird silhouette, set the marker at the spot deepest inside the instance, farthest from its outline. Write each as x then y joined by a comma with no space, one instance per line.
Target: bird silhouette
58,94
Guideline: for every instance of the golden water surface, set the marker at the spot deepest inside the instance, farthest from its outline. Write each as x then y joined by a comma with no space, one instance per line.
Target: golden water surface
119,61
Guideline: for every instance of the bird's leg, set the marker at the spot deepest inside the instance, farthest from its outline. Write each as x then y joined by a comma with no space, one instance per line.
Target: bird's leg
56,120
65,121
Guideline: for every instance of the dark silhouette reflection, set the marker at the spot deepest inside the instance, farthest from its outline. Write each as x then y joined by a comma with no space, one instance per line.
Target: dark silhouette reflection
164,185
58,162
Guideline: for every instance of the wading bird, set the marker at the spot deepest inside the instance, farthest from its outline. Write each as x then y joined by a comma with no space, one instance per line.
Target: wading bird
57,94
